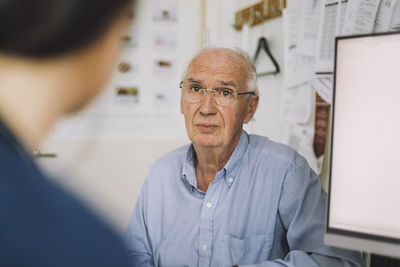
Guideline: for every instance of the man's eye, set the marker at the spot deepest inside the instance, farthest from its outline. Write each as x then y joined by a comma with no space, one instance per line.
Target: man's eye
195,88
226,92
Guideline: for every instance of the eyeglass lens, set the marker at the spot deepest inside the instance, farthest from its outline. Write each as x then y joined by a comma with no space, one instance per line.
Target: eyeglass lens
223,96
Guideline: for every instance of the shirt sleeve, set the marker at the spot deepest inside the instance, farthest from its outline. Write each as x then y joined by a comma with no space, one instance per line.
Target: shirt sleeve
137,236
302,210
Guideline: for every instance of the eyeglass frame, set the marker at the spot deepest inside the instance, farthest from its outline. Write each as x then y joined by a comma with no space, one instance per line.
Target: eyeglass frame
213,91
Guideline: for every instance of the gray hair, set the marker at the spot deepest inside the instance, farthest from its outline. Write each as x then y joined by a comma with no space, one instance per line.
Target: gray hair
251,68
252,82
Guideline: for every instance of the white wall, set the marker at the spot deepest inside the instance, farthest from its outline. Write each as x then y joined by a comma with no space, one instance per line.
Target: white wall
108,173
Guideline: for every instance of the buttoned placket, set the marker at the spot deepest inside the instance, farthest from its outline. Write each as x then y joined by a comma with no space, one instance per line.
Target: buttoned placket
209,205
224,179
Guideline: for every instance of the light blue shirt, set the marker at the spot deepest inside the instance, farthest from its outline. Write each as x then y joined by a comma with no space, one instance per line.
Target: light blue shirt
266,207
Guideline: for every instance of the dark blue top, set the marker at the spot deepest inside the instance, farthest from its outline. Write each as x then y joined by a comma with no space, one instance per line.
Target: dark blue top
41,225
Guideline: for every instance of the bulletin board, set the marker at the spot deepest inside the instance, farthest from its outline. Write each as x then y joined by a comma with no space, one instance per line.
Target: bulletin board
142,98
310,29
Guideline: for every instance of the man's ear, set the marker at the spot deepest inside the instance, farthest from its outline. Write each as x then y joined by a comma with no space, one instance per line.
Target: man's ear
252,107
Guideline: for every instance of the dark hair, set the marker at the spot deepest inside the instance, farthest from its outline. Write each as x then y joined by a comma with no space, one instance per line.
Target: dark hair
45,28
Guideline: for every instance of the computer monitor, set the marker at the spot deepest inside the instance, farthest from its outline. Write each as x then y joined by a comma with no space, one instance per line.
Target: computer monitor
364,188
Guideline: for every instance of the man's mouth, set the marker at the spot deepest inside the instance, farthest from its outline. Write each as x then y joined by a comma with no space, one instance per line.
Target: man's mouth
206,127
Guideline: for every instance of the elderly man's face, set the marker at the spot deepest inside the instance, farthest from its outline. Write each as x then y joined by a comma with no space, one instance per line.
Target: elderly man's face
207,123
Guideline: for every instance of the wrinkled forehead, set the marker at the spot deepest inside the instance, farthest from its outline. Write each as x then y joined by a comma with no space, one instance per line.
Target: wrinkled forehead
218,65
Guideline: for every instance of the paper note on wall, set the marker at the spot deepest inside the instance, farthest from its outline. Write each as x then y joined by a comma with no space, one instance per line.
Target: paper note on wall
395,21
297,68
308,32
384,16
300,138
333,14
296,105
324,87
360,17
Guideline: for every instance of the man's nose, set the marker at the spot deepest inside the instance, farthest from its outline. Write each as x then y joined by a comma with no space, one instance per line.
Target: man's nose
207,104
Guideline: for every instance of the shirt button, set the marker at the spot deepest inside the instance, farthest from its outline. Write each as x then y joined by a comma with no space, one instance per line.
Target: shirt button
209,205
230,180
204,247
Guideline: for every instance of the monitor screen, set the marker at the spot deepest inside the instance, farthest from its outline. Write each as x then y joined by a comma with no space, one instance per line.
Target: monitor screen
364,186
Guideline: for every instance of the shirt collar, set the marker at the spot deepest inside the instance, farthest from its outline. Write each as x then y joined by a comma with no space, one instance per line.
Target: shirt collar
230,170
188,170
233,164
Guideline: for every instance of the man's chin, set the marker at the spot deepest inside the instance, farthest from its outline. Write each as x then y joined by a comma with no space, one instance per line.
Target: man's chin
206,141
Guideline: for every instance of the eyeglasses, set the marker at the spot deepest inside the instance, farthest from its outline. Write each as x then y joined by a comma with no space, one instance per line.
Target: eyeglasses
223,96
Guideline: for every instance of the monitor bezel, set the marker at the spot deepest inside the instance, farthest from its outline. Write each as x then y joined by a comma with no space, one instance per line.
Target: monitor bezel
345,238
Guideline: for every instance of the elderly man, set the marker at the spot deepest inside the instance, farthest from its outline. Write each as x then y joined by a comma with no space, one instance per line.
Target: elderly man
229,198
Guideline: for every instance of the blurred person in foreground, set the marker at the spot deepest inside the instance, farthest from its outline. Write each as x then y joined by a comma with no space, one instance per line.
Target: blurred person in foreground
229,198
55,55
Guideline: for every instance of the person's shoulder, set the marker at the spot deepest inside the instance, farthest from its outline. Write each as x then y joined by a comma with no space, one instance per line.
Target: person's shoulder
61,231
164,171
277,156
102,245
273,150
168,164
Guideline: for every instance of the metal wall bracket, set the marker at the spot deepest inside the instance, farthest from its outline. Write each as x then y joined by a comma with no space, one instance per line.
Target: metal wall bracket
259,13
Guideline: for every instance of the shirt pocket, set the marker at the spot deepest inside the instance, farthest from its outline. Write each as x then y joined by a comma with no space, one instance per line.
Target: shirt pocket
250,250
